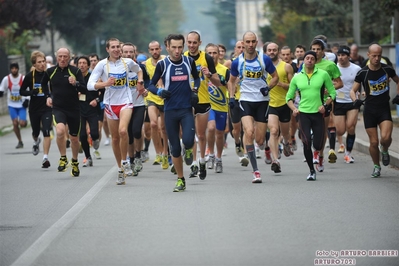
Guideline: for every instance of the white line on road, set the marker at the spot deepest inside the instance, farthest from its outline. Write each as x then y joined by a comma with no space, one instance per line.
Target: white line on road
40,245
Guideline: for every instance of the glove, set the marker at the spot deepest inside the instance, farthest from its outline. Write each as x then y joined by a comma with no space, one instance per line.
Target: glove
232,103
35,92
194,98
265,91
396,99
358,103
165,94
222,80
25,104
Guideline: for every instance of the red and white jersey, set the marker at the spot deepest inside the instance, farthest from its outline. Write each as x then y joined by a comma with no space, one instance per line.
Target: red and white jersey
119,93
11,86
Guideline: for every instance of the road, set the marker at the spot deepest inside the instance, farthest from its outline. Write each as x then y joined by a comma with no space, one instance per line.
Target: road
51,218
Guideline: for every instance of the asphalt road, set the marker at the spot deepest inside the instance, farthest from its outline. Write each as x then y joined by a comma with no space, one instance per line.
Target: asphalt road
51,218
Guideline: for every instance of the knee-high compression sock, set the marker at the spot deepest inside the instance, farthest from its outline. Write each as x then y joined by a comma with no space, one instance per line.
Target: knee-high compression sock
331,136
252,156
350,141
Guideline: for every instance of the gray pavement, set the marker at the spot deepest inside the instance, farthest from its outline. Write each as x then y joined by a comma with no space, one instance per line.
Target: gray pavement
51,218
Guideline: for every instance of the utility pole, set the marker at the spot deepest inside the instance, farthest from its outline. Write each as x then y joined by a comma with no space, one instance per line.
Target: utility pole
356,21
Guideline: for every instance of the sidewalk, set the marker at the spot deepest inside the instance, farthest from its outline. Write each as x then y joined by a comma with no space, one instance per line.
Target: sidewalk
362,143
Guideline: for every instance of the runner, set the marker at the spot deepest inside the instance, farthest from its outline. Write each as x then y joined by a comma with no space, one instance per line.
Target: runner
39,113
113,72
17,104
251,69
179,98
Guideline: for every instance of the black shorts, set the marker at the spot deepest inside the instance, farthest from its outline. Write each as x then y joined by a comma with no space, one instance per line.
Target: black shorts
258,110
235,113
343,108
72,118
100,111
202,108
283,112
146,116
328,110
159,107
373,117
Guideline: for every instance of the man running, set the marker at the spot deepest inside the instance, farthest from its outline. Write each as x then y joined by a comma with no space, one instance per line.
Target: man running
279,114
375,80
251,69
17,104
345,114
113,72
66,82
311,83
39,113
175,71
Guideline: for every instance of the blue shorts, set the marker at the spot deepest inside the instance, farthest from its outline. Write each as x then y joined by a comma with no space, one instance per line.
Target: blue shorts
220,119
17,113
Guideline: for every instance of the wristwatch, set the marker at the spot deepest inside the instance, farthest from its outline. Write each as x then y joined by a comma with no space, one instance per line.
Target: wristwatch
140,82
209,75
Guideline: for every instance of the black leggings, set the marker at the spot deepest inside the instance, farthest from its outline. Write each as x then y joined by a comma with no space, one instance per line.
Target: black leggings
174,119
43,120
136,123
93,125
309,123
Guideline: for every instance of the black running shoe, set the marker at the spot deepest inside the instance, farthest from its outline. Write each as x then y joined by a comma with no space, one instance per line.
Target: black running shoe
202,171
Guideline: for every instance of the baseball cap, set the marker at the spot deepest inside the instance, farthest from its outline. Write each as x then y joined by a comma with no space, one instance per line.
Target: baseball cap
344,50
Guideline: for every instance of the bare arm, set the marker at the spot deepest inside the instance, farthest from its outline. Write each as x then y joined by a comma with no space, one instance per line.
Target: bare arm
354,90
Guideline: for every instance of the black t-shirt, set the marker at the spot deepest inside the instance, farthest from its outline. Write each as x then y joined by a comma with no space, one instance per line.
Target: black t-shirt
37,103
86,109
376,85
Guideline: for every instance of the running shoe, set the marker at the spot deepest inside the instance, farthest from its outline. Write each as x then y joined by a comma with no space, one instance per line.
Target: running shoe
188,156
35,148
332,157
349,159
257,152
219,167
239,151
173,169
63,164
202,171
376,171
97,155
106,142
87,162
311,176
20,145
121,178
45,163
341,148
320,165
256,177
211,162
276,167
75,168
96,144
165,162
144,156
68,143
225,145
157,160
180,185
207,152
194,171
138,166
385,157
244,161
280,150
127,169
286,149
315,157
268,157
294,146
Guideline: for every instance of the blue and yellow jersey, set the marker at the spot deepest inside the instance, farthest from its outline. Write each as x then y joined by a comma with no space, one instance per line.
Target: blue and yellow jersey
218,94
203,93
150,70
277,94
